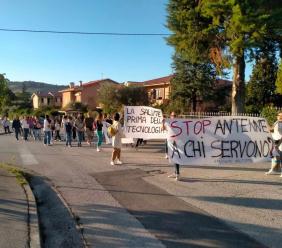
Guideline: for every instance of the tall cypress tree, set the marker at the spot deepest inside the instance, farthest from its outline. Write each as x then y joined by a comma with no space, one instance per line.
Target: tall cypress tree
192,81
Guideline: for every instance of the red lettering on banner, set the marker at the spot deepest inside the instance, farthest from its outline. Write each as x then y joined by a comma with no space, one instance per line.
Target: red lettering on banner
199,129
177,127
187,126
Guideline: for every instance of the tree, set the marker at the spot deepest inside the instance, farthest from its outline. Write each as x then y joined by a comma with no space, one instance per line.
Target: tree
261,87
223,31
191,82
23,88
4,92
113,98
133,96
278,82
108,98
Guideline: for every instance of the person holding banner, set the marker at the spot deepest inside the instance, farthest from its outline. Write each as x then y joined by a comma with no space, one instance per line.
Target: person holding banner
176,173
116,139
277,149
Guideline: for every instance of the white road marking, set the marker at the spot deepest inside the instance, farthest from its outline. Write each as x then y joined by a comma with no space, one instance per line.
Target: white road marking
27,157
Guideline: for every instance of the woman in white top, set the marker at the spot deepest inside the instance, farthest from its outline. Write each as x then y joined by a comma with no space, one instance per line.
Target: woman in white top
277,128
116,140
47,130
25,127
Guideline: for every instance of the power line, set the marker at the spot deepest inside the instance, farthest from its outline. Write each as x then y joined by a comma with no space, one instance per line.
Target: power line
82,33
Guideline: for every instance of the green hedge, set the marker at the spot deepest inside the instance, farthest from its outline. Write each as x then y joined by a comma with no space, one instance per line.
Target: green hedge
270,114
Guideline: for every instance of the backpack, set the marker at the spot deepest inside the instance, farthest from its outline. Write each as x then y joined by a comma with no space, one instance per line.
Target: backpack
111,131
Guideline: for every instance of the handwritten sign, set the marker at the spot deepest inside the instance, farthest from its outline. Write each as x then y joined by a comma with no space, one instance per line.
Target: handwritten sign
143,122
218,140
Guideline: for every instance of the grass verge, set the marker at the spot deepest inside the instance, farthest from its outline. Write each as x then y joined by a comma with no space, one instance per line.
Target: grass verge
20,175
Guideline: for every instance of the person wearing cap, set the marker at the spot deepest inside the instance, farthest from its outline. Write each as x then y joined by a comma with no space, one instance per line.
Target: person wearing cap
277,149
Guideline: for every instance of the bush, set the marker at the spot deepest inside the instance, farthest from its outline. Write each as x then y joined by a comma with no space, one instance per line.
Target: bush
77,106
252,109
270,114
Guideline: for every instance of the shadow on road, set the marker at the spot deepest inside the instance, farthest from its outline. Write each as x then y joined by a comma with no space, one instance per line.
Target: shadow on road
57,225
174,222
245,201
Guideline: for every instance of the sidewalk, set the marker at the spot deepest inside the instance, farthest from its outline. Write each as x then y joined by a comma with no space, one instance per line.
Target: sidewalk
14,213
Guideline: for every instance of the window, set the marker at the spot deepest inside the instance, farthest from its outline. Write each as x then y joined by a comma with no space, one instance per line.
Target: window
153,94
42,100
48,101
158,94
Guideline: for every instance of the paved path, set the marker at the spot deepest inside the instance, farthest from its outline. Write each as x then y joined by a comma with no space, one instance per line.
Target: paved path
13,212
239,195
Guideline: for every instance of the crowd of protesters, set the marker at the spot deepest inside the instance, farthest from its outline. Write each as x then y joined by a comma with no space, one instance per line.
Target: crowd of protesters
69,129
79,128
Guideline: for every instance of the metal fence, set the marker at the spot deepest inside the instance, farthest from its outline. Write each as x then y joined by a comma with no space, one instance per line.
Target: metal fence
211,114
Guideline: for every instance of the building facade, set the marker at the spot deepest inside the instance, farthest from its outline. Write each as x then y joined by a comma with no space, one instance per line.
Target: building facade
85,93
159,93
158,89
46,99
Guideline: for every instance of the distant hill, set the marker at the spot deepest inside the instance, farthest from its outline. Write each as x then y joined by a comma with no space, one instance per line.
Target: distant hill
31,86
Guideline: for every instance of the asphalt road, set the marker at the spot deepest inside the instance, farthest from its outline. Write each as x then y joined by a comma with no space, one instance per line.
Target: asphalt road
136,205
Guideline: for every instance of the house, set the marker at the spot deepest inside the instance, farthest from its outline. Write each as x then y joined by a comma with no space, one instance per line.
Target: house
85,93
46,99
159,93
158,89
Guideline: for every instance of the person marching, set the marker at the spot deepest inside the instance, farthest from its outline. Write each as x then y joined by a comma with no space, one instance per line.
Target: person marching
68,128
47,130
99,130
57,131
6,125
116,139
88,124
36,129
25,127
16,125
79,125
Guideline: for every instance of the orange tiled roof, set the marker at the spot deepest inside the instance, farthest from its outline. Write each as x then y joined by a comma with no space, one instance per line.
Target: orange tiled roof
98,81
90,83
162,80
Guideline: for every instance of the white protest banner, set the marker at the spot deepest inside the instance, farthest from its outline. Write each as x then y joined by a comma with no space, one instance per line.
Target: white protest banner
143,122
218,140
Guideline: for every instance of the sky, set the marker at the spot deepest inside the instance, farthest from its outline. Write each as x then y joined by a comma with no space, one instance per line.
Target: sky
60,59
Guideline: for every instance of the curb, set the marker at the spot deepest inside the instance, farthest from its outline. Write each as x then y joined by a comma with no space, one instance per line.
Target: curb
33,221
79,226
50,186
33,234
